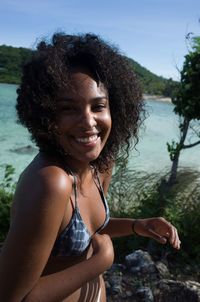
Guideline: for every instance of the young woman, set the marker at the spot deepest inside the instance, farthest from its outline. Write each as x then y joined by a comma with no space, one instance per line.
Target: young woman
80,100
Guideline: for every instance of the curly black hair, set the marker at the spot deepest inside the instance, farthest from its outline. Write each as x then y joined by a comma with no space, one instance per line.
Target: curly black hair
49,70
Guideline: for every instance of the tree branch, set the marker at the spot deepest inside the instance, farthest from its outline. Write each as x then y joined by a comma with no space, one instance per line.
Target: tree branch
191,145
195,131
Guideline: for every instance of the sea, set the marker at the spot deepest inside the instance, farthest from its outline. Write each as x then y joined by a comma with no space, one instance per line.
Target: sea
150,154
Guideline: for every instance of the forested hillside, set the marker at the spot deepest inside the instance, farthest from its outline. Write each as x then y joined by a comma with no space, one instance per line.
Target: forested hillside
12,58
153,84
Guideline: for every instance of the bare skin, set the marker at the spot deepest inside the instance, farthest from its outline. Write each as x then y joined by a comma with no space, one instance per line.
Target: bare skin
42,208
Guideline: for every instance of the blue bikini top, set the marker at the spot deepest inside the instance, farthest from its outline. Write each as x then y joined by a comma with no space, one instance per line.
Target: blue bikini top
76,238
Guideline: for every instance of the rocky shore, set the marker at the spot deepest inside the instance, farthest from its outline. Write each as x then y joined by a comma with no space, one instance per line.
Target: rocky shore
141,279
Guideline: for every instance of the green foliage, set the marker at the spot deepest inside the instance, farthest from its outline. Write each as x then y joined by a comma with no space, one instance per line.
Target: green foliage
187,105
6,196
11,60
127,190
196,43
172,149
187,99
153,84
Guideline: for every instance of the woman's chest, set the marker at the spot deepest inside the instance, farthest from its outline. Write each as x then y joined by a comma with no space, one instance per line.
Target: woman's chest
89,207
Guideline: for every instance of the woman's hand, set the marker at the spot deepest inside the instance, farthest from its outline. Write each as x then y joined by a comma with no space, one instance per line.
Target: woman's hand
103,249
159,229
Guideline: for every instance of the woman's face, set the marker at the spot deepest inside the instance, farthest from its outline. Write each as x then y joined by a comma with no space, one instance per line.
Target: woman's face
84,119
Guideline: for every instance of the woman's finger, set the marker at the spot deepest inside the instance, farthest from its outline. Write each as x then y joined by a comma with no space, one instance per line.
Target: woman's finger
156,236
177,241
171,234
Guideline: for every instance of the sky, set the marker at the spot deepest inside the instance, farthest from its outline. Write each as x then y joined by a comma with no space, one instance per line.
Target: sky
152,32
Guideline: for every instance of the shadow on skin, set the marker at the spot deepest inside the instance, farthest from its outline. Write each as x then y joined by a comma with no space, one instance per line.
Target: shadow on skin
90,291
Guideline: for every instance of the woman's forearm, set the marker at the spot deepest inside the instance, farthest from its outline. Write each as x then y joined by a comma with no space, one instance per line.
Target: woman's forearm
58,286
119,227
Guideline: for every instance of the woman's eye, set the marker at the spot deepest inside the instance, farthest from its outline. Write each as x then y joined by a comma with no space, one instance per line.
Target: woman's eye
99,107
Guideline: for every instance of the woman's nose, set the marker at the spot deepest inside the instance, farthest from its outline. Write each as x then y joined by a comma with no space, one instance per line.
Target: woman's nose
88,120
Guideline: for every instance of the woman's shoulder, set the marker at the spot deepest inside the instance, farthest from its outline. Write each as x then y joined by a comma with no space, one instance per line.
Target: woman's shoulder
46,168
44,177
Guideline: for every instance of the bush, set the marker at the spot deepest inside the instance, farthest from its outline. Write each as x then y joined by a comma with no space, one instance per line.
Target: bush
139,195
6,196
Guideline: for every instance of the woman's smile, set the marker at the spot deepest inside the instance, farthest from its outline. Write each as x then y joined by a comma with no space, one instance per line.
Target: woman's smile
87,139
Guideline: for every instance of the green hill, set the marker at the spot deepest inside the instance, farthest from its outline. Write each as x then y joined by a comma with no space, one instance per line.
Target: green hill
153,84
12,58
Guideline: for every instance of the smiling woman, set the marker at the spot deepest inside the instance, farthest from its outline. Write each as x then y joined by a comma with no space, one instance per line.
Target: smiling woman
80,100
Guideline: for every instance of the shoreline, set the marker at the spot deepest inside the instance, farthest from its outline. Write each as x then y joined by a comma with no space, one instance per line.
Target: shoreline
146,97
161,98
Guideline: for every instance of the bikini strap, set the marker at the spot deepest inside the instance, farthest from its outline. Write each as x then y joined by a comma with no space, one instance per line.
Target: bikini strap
75,190
99,182
103,199
74,186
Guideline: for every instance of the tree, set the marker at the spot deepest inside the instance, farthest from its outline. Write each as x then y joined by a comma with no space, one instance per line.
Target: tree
187,106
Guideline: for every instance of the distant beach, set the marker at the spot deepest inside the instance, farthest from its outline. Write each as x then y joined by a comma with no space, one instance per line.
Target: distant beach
161,98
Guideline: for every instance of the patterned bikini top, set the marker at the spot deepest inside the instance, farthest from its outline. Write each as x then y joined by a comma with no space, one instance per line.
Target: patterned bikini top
75,237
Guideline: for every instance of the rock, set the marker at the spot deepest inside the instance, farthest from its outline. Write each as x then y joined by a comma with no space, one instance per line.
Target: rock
25,150
140,262
145,294
114,279
149,283
129,293
177,291
162,270
117,268
107,284
137,258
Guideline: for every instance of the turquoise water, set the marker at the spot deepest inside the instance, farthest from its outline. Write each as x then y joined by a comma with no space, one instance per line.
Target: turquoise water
12,135
161,125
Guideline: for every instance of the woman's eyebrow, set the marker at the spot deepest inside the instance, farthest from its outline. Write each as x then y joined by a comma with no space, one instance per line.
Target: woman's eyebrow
68,99
99,98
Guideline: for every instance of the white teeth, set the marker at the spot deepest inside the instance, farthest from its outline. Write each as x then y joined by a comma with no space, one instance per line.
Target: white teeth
87,139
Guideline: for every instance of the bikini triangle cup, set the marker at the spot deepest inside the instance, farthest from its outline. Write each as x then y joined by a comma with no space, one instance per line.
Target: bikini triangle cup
75,238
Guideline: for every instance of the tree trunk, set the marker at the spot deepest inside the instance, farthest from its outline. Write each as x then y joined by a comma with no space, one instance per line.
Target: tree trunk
174,169
173,173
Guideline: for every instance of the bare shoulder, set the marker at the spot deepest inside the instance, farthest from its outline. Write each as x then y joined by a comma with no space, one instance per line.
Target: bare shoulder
38,209
43,188
45,170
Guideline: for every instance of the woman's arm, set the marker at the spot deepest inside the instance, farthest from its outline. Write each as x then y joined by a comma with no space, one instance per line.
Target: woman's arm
157,228
119,227
56,287
40,202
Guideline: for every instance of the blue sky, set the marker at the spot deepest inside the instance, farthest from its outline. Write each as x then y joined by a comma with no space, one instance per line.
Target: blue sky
152,32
